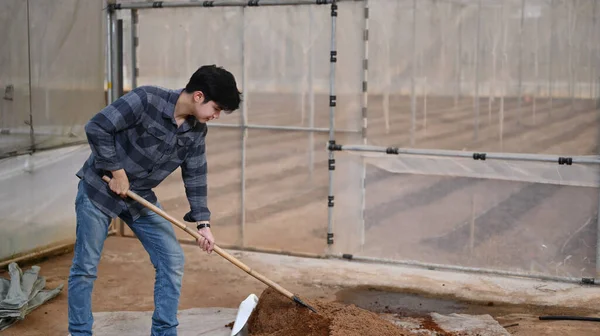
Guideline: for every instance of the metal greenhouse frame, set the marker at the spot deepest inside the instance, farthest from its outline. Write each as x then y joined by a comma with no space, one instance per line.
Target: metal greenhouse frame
115,85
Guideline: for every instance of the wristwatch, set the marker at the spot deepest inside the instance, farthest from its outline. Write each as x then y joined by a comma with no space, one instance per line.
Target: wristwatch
202,225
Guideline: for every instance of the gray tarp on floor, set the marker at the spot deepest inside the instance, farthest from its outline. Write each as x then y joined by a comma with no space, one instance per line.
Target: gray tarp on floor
22,293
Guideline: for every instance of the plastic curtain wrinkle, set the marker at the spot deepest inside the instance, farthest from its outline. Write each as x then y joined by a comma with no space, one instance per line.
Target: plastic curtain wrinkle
22,293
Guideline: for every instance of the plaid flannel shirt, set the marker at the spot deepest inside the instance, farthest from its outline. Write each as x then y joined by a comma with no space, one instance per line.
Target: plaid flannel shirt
138,132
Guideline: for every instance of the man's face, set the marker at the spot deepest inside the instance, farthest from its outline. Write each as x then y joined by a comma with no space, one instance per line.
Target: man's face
205,112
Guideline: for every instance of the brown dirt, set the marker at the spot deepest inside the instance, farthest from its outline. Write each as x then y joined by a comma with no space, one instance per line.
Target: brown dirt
276,315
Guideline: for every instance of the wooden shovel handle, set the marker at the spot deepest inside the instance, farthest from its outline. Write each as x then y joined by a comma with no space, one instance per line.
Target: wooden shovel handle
217,249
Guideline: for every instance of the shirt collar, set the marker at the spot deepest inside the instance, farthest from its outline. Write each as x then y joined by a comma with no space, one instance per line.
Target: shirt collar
169,111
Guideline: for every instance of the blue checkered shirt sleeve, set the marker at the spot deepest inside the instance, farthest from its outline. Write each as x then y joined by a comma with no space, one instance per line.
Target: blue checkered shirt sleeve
193,172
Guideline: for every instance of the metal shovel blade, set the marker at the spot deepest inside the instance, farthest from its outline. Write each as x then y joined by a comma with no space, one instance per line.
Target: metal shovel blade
245,310
300,302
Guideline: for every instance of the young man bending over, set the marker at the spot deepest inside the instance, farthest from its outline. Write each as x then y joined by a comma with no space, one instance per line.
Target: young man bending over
137,141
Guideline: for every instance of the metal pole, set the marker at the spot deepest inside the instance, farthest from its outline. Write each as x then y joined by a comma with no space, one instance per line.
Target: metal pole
476,101
365,96
492,88
425,91
332,104
231,3
432,266
472,225
594,39
311,95
457,93
244,132
598,234
188,241
134,45
551,54
598,139
109,75
413,98
520,88
504,76
473,155
31,130
537,72
284,128
114,56
570,63
119,58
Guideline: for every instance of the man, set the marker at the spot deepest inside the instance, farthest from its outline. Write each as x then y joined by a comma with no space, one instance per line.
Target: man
138,140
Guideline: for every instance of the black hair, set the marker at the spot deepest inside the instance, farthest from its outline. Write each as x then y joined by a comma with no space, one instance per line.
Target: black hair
218,85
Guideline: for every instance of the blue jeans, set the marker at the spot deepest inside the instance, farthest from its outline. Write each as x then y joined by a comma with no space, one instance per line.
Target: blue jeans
158,238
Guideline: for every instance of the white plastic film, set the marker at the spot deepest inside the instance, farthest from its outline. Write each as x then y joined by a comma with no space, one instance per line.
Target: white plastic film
52,77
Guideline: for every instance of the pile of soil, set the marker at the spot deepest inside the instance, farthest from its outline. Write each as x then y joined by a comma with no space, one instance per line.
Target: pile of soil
276,315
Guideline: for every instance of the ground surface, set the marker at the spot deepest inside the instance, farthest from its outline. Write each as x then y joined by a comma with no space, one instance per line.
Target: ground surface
125,284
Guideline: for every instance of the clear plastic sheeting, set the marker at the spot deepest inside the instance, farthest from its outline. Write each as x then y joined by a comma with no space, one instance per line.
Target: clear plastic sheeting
513,76
286,82
14,78
285,77
580,175
51,72
288,70
37,200
175,42
286,189
534,228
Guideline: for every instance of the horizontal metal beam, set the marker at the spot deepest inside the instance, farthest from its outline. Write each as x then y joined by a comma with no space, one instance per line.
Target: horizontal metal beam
281,128
587,281
217,3
232,247
591,159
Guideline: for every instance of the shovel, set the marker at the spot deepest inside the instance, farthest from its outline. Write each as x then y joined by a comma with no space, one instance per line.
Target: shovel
217,249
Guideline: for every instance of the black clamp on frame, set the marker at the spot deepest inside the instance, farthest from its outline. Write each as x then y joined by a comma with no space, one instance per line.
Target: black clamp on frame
253,3
329,238
565,161
479,156
322,2
588,281
333,57
113,7
331,164
330,201
391,150
334,8
157,4
332,101
333,146
208,4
